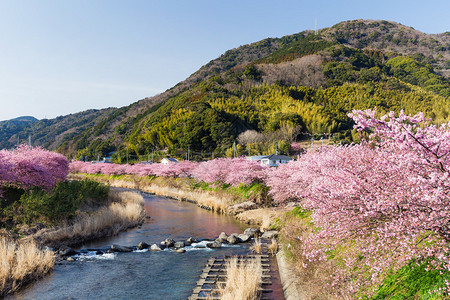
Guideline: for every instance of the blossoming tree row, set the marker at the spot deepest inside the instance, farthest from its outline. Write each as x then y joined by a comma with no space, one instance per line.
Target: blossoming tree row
27,167
222,170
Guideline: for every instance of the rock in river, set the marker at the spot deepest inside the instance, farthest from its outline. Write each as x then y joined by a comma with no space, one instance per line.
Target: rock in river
244,237
179,244
66,251
252,231
269,234
142,245
214,244
232,239
118,248
155,247
169,242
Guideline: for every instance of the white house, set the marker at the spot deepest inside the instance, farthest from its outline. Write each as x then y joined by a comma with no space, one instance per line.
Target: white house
166,161
271,160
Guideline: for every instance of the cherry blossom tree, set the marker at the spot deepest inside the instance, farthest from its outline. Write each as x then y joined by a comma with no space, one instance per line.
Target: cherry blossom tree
389,195
32,167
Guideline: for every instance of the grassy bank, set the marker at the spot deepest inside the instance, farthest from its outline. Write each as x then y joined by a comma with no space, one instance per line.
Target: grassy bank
125,210
69,214
22,262
217,198
416,280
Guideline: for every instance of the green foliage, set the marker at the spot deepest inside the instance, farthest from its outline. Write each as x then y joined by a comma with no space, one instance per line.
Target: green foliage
417,73
299,212
414,281
62,202
301,46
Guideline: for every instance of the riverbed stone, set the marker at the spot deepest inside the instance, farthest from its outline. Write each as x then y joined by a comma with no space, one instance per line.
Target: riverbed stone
99,252
70,259
66,251
270,234
192,240
214,244
223,236
181,250
142,245
119,248
244,238
155,247
241,207
252,231
169,243
179,244
232,239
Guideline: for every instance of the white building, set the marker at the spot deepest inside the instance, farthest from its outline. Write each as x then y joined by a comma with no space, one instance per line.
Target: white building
166,161
271,160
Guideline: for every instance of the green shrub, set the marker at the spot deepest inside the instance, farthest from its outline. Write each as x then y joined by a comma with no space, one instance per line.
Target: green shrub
414,281
62,202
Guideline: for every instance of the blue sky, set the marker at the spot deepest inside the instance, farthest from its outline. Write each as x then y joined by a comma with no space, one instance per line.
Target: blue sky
61,57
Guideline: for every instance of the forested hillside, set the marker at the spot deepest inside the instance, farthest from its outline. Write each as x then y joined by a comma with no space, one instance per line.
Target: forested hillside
279,90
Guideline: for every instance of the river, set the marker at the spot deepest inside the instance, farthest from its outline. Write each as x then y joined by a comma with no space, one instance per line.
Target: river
141,275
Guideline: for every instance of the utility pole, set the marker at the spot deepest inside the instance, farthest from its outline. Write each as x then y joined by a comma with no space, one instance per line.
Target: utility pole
322,140
312,142
127,156
189,149
153,153
29,140
276,148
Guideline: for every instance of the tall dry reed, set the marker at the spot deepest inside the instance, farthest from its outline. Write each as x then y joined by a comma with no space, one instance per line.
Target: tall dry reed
125,211
243,281
21,263
256,247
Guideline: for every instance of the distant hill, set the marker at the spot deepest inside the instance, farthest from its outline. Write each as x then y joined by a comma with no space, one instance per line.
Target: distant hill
15,126
282,88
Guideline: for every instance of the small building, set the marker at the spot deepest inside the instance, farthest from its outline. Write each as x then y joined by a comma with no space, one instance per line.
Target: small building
256,157
274,160
166,161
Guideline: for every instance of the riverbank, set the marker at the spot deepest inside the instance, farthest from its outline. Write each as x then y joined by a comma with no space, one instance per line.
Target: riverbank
219,201
21,263
33,255
124,210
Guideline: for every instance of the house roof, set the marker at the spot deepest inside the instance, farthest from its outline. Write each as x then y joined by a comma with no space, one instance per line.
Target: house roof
257,157
271,157
171,159
277,157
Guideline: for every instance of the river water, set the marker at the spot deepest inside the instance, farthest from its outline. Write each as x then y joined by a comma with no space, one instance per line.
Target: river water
141,275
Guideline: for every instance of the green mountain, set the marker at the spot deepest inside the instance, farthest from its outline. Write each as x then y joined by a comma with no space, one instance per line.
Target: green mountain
14,127
270,93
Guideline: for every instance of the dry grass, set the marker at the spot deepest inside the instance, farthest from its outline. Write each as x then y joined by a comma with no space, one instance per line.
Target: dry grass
264,217
244,278
256,247
125,211
170,187
310,276
21,263
273,247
